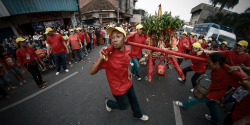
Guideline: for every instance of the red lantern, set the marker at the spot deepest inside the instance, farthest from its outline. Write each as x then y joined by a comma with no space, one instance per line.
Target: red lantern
161,70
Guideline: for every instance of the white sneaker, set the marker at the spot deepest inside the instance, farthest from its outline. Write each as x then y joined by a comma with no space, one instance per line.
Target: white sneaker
66,70
178,103
192,90
57,73
180,79
143,118
108,109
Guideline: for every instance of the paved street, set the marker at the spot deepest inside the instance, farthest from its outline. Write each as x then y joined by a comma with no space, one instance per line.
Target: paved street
78,98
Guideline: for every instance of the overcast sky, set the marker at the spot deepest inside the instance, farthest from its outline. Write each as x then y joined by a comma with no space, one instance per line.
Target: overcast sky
182,8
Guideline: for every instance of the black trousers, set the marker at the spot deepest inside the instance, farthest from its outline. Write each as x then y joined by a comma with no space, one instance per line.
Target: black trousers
32,67
194,78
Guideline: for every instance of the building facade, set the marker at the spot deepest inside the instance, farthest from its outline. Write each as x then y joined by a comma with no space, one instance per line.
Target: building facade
138,16
18,17
201,12
105,12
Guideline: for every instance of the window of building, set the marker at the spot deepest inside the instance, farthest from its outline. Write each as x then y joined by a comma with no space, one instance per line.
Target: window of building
89,16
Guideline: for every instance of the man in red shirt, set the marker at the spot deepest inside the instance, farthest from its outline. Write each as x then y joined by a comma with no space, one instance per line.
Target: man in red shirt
59,47
191,40
83,40
118,74
197,66
136,52
236,57
223,46
182,46
76,45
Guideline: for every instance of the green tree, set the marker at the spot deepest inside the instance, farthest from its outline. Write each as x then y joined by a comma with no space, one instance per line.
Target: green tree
230,4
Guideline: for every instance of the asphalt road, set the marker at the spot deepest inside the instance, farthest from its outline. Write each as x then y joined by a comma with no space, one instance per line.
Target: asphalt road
78,98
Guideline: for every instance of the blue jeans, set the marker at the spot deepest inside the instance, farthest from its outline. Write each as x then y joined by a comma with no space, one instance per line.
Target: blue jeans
60,58
211,104
123,101
86,51
77,54
135,67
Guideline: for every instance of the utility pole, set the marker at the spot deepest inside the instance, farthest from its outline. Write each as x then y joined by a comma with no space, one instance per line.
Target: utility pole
118,11
79,12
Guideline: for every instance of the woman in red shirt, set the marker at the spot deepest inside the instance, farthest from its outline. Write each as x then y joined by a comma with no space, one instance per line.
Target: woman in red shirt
26,57
197,66
217,88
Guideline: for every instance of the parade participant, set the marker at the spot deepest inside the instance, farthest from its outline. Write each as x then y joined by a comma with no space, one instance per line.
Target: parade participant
140,38
217,89
59,47
76,45
26,57
191,40
83,40
198,67
182,46
118,74
236,57
223,46
88,40
204,44
12,67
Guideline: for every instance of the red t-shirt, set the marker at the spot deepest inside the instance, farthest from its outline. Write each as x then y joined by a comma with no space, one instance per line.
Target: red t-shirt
74,41
40,53
198,66
190,43
117,71
222,49
81,36
180,46
136,51
94,38
87,37
26,55
219,84
56,42
9,62
241,109
204,45
236,59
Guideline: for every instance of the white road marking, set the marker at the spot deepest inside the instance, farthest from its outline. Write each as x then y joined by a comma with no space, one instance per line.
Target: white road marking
37,93
177,114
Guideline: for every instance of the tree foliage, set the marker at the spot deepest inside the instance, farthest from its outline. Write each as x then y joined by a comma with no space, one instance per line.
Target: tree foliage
230,4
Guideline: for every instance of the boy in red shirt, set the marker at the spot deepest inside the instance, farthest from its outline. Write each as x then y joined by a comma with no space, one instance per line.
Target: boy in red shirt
136,52
191,40
59,47
217,89
11,65
223,46
76,45
118,74
182,46
198,67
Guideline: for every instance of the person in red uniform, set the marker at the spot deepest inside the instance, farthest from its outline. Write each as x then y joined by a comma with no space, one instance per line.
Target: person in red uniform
204,44
197,66
26,57
87,37
182,46
136,52
83,40
236,57
223,46
191,40
75,43
217,89
59,48
118,74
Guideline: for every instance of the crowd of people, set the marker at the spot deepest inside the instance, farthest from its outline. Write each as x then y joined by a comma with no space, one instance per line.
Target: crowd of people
60,47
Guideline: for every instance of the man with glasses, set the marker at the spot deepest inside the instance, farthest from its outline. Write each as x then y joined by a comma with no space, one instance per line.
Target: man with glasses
59,49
